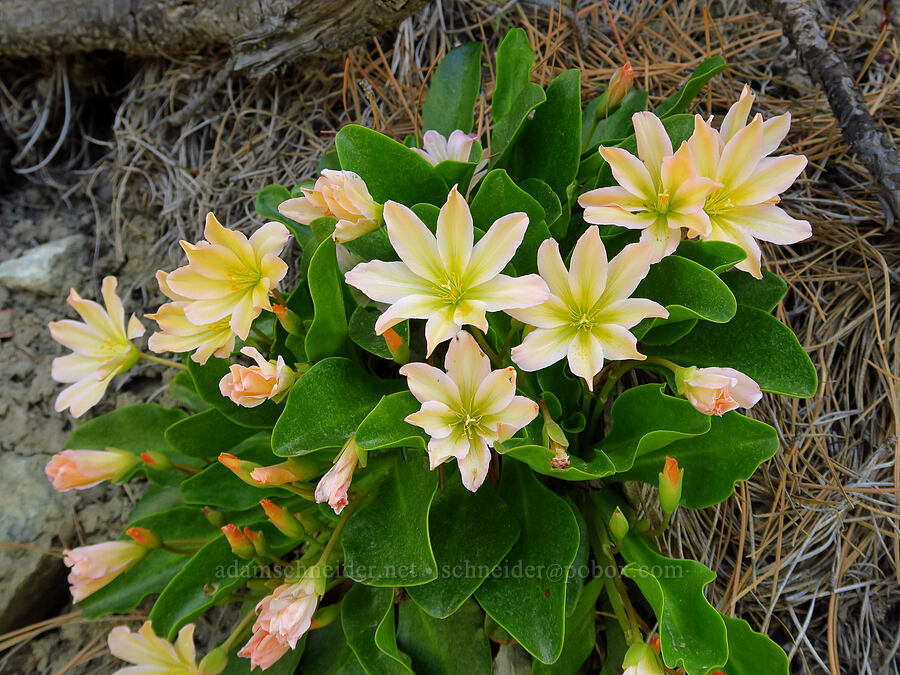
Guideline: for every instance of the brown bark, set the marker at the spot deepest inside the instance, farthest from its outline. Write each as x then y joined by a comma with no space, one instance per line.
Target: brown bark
870,141
261,34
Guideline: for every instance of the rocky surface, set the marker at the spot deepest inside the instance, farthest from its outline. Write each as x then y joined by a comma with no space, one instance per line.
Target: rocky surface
45,268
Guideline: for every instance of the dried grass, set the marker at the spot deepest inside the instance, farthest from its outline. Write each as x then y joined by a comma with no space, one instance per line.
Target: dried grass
809,549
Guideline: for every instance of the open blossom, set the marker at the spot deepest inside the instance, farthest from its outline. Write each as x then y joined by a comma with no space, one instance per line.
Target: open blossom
446,279
587,317
80,469
230,275
249,386
743,209
101,348
92,567
439,148
177,334
337,194
153,655
466,409
333,486
658,192
715,391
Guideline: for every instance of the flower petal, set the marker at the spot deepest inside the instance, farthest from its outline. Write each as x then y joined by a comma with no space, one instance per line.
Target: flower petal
386,281
653,142
270,239
770,223
630,312
585,356
466,364
495,392
496,248
626,271
614,195
455,234
774,131
613,215
502,292
515,416
706,145
473,467
300,209
553,270
629,172
741,155
587,268
662,239
543,347
549,314
82,395
736,117
410,307
413,242
435,418
428,383
618,343
441,326
773,175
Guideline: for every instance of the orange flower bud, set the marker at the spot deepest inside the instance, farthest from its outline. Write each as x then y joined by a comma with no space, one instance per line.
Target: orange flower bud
283,519
240,545
670,481
620,85
241,468
398,347
144,537
258,540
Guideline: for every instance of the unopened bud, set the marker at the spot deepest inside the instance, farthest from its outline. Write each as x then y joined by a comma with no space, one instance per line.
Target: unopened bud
555,438
640,658
240,545
215,518
283,519
294,469
398,347
670,481
156,460
324,616
618,525
214,662
619,86
144,537
258,540
654,642
241,468
288,319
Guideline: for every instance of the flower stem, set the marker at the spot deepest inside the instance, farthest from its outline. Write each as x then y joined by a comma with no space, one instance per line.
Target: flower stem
335,535
164,362
266,340
238,631
663,362
184,468
486,348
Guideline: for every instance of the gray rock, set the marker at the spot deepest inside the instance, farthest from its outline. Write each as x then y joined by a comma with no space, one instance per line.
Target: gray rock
45,268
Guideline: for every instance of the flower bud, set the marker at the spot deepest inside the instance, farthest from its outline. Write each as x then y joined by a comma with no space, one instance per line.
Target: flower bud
333,486
214,662
716,391
398,347
288,319
240,467
80,469
439,148
156,460
640,659
258,540
618,525
240,545
250,386
281,518
670,481
92,567
619,86
144,537
215,518
555,438
289,471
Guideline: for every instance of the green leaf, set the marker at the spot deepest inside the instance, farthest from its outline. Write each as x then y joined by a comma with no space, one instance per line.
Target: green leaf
390,169
532,606
545,196
754,343
286,665
156,499
581,635
364,612
135,428
362,331
750,652
514,94
183,390
206,434
729,452
374,245
385,427
538,457
267,201
681,99
668,332
616,126
207,378
549,147
450,102
498,196
471,534
386,542
717,256
327,334
456,173
327,653
764,294
579,570
337,386
456,645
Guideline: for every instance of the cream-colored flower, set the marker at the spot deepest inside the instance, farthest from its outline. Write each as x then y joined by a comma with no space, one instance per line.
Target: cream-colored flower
177,334
438,148
249,386
230,275
92,567
466,409
80,469
658,192
333,486
445,279
337,194
101,348
151,654
743,209
715,391
587,317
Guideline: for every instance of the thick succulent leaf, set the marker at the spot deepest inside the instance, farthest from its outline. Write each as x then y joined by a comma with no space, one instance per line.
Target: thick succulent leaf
539,458
455,645
453,90
385,427
327,653
207,378
327,335
362,331
614,127
581,635
364,611
579,570
717,256
750,652
681,99
515,95
764,294
134,428
183,390
206,434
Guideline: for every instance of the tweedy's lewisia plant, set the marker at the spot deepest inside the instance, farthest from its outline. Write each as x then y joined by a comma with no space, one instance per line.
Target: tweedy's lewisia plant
550,352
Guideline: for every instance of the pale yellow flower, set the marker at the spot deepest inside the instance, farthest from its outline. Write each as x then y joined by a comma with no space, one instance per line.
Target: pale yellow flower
101,348
658,191
641,659
467,409
744,208
445,279
177,334
230,275
587,317
92,567
153,655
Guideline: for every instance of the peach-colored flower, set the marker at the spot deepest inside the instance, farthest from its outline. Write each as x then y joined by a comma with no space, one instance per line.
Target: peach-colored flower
333,486
337,194
92,567
466,409
445,279
715,391
80,469
587,317
101,348
177,334
249,386
439,148
658,192
263,650
230,275
153,655
743,208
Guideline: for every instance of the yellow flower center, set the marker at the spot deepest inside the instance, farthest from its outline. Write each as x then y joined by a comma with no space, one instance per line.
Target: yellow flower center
243,277
451,290
470,420
583,321
717,202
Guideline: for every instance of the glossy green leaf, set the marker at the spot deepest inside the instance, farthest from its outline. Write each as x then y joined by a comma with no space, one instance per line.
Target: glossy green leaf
681,99
668,332
581,635
385,427
287,345
515,95
206,434
327,335
363,613
267,201
207,378
456,173
717,256
498,196
453,90
362,331
545,196
338,386
579,570
390,169
386,542
729,452
526,592
373,246
539,458
156,499
183,390
753,342
327,653
455,645
135,428
616,126
470,535
688,290
750,652
764,294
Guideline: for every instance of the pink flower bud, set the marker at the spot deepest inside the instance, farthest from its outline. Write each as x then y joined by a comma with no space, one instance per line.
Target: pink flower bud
333,486
92,567
263,650
250,386
80,469
715,391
